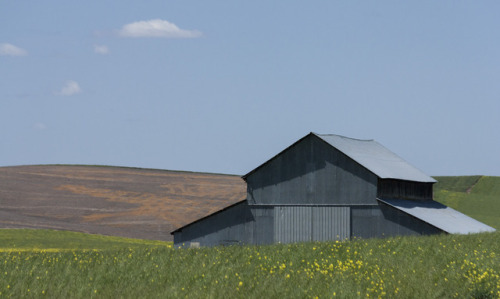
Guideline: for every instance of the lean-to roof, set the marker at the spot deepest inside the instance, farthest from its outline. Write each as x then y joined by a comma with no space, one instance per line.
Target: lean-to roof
439,215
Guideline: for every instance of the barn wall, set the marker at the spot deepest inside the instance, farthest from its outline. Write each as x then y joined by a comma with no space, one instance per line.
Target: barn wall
244,224
263,232
239,224
383,221
389,188
229,226
311,223
311,172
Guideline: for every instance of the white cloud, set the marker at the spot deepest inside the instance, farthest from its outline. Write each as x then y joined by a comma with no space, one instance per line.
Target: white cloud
11,50
70,89
101,49
156,28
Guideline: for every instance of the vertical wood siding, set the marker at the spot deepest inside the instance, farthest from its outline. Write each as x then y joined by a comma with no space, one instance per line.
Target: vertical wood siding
331,223
306,223
311,172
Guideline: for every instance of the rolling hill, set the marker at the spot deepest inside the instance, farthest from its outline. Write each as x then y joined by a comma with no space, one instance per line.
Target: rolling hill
127,202
475,196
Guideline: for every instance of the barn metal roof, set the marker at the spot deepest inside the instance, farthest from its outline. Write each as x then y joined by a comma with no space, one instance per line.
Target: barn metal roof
440,216
376,158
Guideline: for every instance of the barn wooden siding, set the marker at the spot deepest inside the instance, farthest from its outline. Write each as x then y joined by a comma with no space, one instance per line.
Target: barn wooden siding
245,224
380,221
389,188
311,172
311,223
238,224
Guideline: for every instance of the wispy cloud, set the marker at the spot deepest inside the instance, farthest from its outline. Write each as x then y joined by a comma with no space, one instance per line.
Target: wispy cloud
71,88
101,49
40,126
156,28
11,50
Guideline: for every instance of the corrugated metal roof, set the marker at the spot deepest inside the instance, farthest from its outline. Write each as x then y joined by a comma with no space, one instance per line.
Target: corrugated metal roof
440,216
376,158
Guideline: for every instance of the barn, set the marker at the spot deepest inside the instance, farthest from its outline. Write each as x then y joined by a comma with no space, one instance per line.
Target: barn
329,187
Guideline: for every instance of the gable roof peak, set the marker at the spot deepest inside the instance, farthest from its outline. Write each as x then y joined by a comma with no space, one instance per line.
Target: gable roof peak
368,153
341,136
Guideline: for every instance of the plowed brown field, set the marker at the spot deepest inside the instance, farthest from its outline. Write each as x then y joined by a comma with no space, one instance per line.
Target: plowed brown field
129,202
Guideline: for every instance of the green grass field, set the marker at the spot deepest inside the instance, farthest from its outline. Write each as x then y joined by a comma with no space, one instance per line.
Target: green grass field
443,266
475,196
29,239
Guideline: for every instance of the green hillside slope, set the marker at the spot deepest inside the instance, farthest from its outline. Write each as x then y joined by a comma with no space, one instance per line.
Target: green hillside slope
475,196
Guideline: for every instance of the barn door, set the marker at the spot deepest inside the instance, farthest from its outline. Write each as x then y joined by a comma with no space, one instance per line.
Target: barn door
292,224
331,223
303,224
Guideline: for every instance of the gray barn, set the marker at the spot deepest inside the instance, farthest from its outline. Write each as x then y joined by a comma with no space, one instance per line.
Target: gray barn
330,187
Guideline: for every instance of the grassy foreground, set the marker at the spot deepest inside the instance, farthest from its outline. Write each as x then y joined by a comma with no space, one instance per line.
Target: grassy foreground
444,266
31,239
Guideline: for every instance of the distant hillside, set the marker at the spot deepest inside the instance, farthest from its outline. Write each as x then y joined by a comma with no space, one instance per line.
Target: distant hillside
475,196
128,202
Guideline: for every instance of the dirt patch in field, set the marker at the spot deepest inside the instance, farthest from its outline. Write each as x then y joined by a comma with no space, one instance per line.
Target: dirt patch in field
129,202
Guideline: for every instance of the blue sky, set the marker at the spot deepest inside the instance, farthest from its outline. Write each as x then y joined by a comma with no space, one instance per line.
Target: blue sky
222,86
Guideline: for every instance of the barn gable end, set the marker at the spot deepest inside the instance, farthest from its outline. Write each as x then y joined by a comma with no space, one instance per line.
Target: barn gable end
311,172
